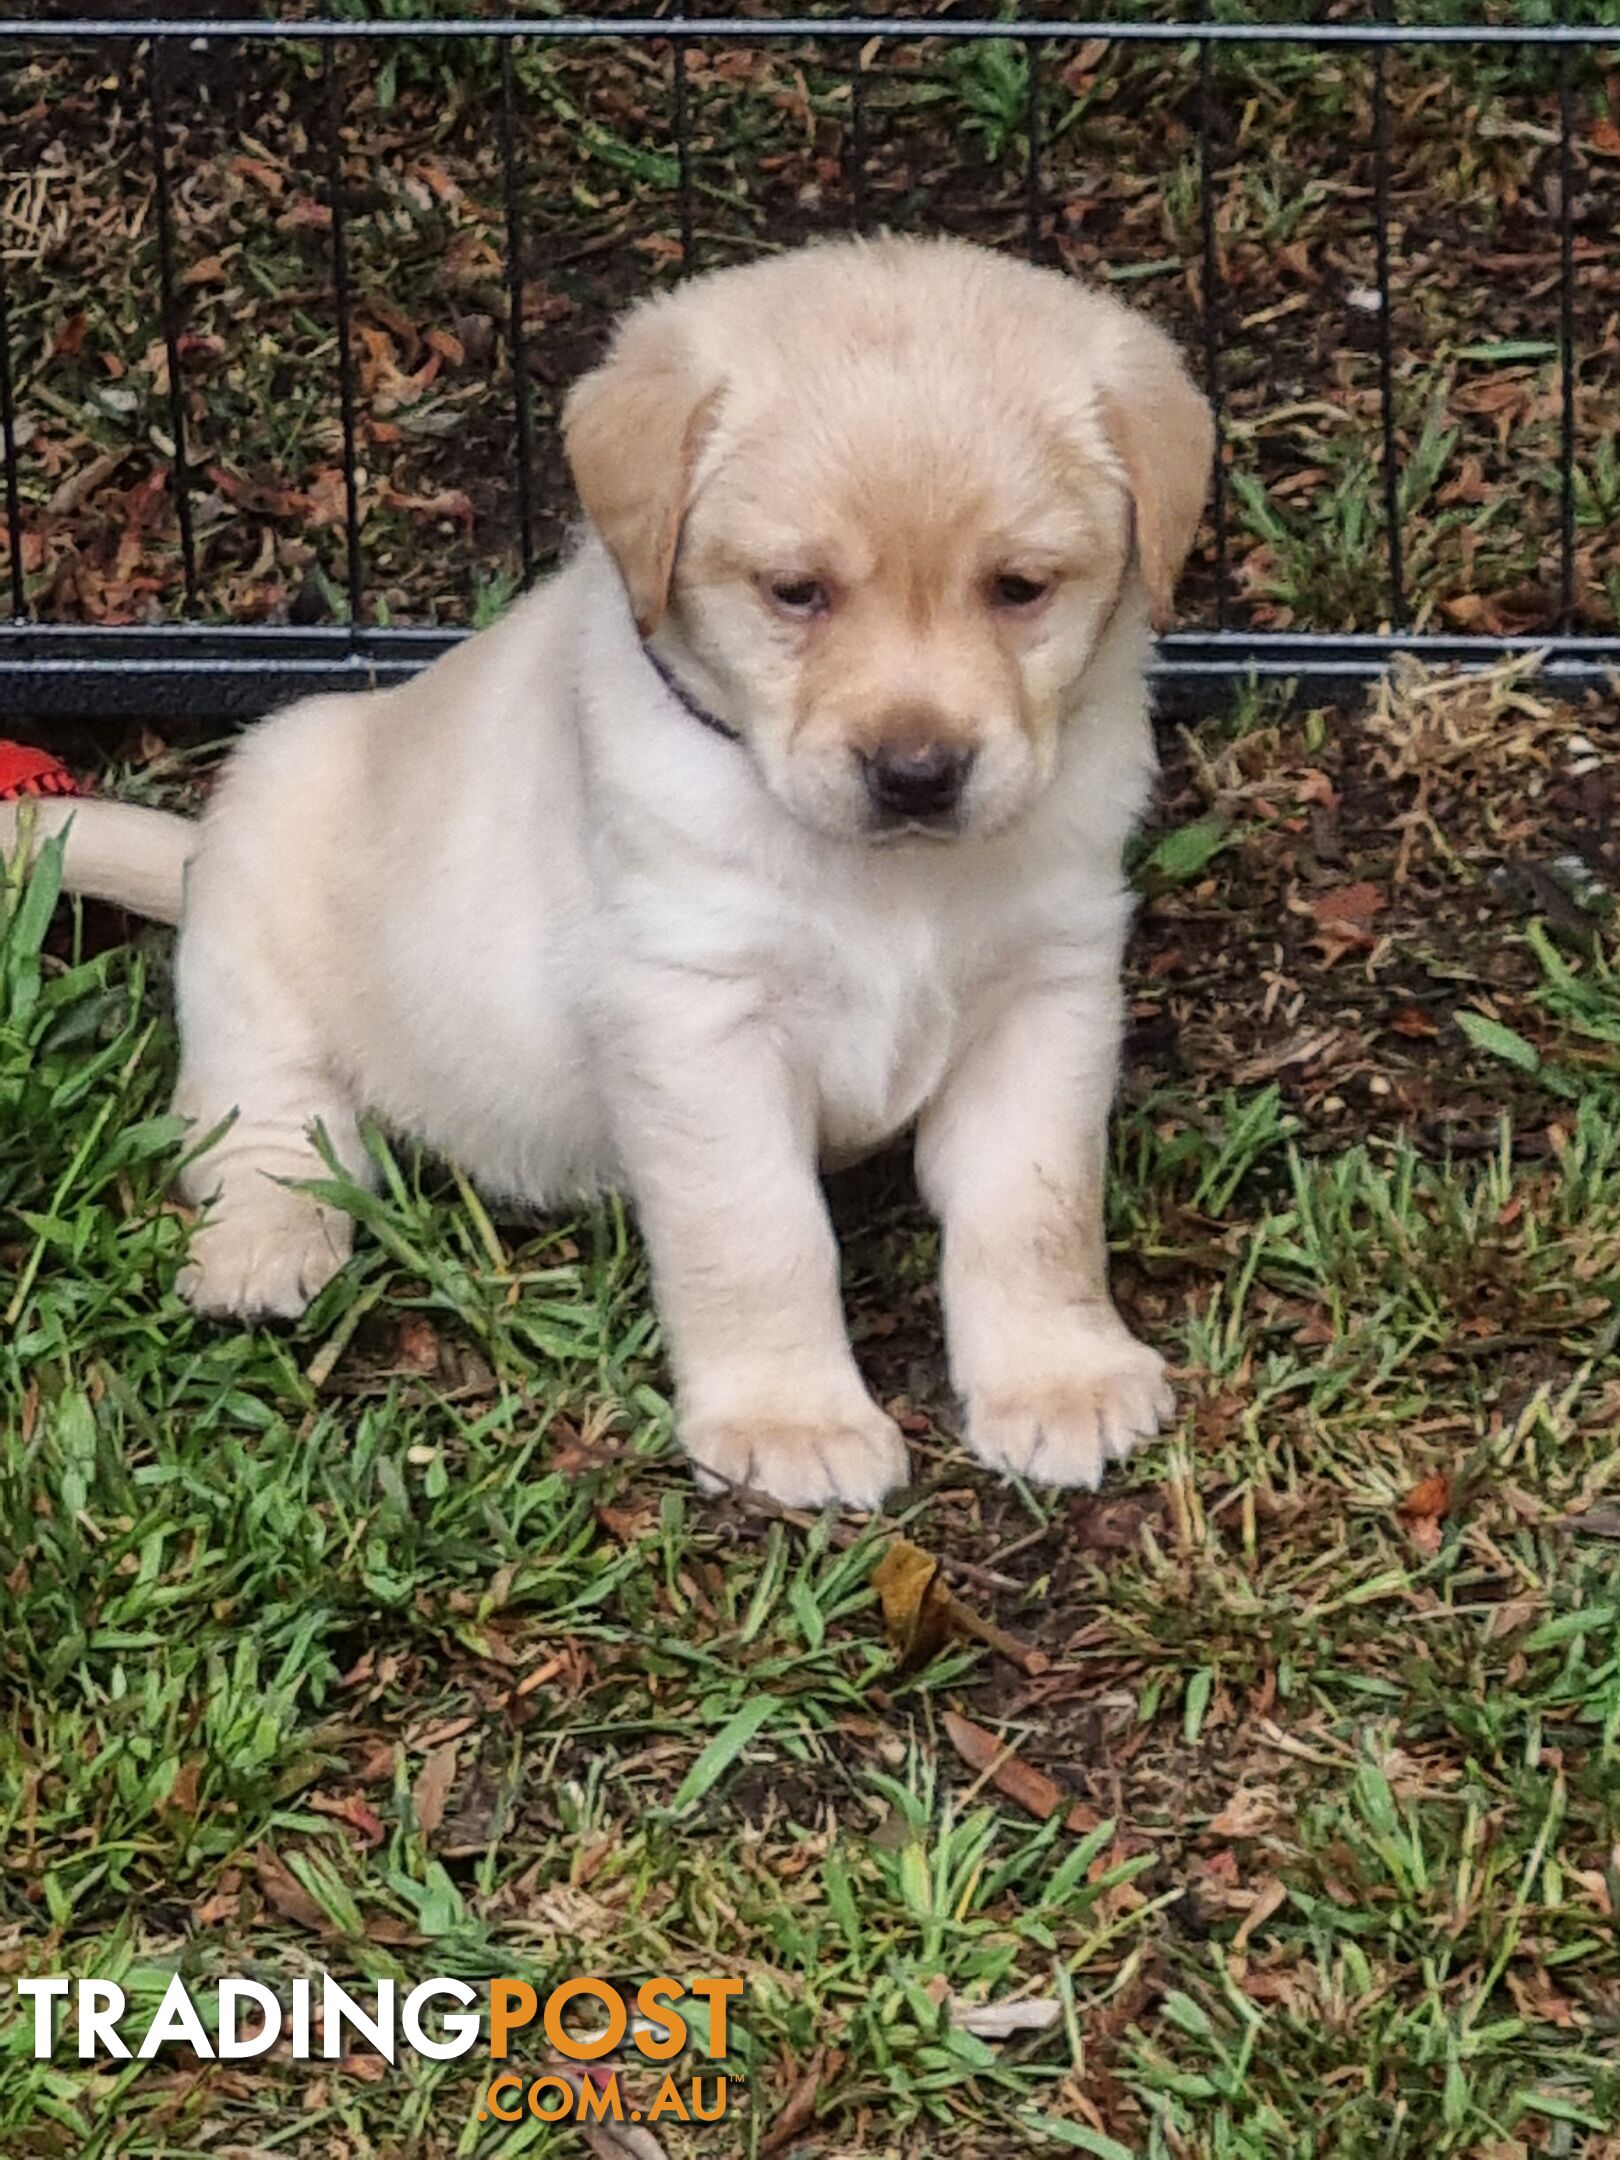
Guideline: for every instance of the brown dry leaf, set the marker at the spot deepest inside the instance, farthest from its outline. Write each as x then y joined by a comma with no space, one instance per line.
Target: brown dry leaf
1028,1788
799,2109
376,1763
182,1798
87,480
1077,75
1296,483
1113,1526
397,1934
1269,1896
1348,903
351,1809
286,1893
999,2021
417,1349
432,1788
916,1604
631,1526
1314,786
920,1613
428,1737
256,169
1250,1810
443,503
1422,1510
220,1904
1413,1022
1539,2001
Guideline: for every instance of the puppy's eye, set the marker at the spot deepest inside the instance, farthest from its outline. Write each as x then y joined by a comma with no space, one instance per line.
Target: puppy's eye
799,595
1012,591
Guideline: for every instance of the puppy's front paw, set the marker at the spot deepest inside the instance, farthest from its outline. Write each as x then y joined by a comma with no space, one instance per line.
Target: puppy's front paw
264,1262
1062,1422
851,1458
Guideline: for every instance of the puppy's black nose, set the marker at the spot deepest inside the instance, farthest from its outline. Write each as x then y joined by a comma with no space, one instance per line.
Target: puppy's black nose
917,783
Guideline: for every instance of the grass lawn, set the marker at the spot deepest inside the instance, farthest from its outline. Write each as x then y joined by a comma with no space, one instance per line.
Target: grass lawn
399,1643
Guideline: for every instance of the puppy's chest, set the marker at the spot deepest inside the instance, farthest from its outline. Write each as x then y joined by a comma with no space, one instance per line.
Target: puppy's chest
877,1025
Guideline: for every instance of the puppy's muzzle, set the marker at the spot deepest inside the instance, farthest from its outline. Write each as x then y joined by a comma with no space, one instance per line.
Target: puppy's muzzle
921,785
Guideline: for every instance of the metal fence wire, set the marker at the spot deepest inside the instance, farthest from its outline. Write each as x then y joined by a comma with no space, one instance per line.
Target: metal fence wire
52,666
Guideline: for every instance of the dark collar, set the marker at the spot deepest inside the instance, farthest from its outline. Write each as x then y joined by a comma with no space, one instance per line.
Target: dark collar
684,698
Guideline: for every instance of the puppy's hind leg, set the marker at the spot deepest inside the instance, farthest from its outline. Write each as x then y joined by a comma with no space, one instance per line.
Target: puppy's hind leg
264,1247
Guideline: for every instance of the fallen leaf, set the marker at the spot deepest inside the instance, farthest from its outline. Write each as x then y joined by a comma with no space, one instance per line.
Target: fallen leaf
417,1350
432,1788
1077,75
351,1809
1096,1525
182,1796
1314,786
446,503
221,1904
77,489
631,1526
916,1604
799,2109
1539,2001
1028,1788
1411,1021
286,1893
1429,1496
1422,1509
1268,1898
428,1737
1250,1810
256,169
920,1613
999,2021
1348,903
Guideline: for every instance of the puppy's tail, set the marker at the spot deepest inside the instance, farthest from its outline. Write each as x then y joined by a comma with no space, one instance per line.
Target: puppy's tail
115,851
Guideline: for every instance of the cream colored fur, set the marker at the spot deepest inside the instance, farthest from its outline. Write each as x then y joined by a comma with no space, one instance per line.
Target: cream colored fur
530,910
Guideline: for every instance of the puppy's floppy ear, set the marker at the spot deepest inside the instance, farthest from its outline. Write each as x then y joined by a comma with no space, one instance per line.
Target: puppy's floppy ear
633,428
1163,434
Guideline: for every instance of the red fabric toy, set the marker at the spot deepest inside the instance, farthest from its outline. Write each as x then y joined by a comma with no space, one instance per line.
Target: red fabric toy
33,772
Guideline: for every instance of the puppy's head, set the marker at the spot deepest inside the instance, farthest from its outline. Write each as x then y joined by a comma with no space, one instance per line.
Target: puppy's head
879,505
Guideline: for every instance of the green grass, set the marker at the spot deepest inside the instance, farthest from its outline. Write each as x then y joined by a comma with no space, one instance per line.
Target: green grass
1353,1772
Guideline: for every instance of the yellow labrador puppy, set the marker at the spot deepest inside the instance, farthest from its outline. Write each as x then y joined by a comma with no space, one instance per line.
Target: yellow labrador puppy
787,816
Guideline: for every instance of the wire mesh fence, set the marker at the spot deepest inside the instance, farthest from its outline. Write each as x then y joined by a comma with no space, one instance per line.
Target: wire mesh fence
286,308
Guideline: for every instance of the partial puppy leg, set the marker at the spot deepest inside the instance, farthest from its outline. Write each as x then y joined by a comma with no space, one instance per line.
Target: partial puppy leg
263,1249
1012,1156
719,1144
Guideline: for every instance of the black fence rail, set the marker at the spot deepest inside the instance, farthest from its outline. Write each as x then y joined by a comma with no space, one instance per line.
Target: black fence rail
52,665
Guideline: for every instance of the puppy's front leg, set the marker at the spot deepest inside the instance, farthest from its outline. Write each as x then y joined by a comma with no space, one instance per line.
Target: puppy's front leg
1012,1156
719,1144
